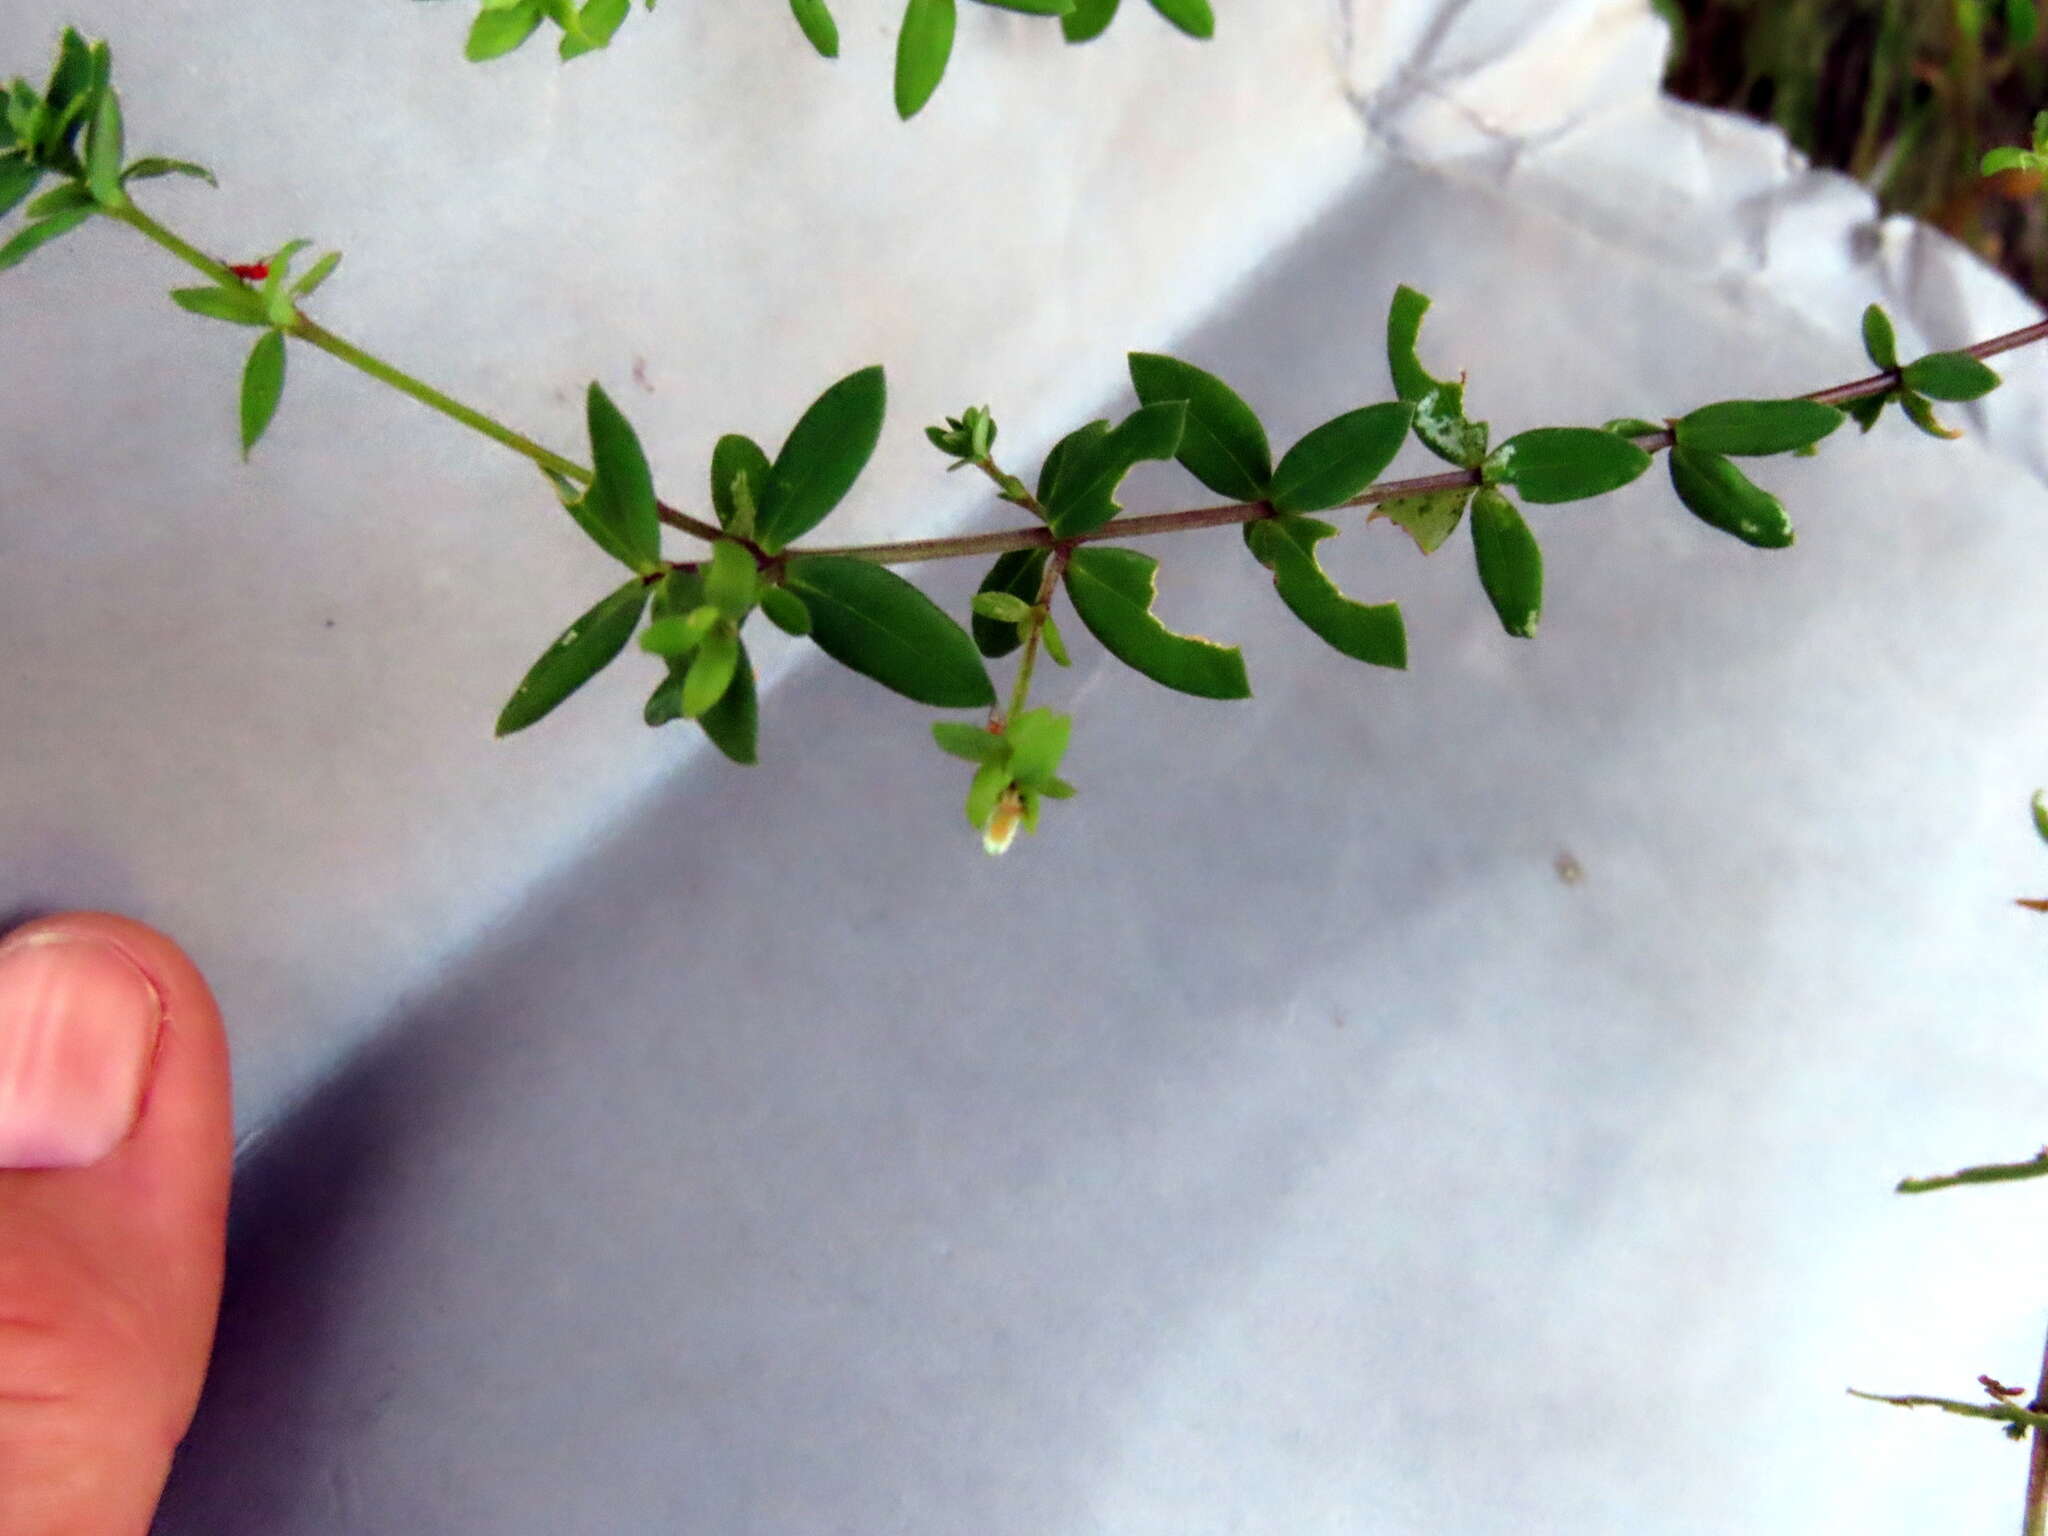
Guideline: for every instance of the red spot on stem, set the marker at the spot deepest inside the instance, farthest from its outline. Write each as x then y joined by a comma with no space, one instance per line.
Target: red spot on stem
251,271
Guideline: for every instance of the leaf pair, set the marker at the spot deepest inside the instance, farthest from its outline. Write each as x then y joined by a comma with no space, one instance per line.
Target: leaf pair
1703,472
824,454
503,26
1951,376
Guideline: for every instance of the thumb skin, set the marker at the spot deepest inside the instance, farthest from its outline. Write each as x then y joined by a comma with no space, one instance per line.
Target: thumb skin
116,1144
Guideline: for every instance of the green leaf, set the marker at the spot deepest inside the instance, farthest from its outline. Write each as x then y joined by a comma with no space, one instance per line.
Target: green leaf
786,611
1631,426
1429,518
601,19
870,619
1191,16
18,178
1951,376
1075,441
990,780
2005,158
262,387
1033,7
1038,740
1055,647
315,275
1088,20
1005,607
1880,341
103,151
1865,409
711,672
971,743
1340,458
277,307
498,32
237,305
1510,562
69,93
922,49
1019,573
1112,590
36,236
818,25
1287,547
734,722
150,166
2041,813
824,454
733,581
582,650
734,456
1223,444
60,199
1914,404
619,511
1404,329
1720,495
675,637
1553,464
1083,498
2022,23
1752,428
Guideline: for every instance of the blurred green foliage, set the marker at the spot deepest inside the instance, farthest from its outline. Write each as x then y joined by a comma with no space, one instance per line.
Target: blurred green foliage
1904,95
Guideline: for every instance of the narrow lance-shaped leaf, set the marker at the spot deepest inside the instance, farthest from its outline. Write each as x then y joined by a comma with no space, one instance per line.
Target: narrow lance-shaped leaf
922,49
824,454
1019,574
737,455
1340,458
236,305
1552,464
870,619
103,152
1951,376
316,274
1370,633
1083,497
971,743
1113,590
1033,7
1510,562
150,166
582,650
262,387
18,178
619,511
1721,496
818,25
1223,445
1088,20
1192,16
35,236
1753,428
1880,341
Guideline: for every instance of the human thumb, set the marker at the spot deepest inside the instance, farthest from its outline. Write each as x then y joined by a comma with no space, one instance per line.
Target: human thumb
115,1149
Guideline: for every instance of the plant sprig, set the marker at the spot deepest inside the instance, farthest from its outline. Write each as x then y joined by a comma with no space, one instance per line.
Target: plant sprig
863,615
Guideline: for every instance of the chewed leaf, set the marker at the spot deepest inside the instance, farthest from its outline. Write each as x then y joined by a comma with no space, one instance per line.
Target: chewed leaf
579,653
1370,633
1439,403
1112,590
1428,519
1083,497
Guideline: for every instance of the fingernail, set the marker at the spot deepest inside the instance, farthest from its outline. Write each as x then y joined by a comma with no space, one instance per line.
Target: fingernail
78,1026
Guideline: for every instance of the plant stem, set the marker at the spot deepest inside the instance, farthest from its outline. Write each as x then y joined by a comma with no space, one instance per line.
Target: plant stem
317,335
2037,1466
1041,611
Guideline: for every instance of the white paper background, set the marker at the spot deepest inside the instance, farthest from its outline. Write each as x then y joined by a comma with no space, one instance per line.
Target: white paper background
1275,1143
